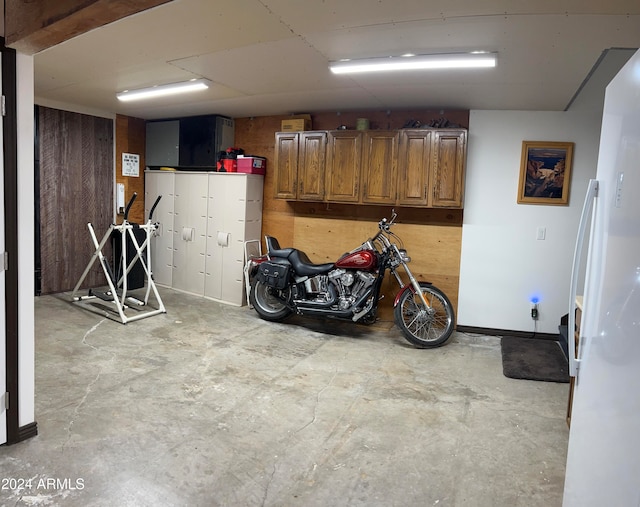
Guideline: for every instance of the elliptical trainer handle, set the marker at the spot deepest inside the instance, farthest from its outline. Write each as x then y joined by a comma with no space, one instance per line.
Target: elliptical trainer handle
154,207
129,204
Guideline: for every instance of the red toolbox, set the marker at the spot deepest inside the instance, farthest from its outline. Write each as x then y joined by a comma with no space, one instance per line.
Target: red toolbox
252,165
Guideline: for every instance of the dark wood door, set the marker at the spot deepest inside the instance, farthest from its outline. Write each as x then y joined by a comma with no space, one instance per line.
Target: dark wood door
76,188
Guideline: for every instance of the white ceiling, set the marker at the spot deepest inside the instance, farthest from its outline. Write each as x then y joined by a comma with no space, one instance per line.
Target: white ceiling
269,57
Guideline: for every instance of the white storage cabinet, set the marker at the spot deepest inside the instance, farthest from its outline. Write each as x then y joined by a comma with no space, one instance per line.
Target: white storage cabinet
161,183
204,229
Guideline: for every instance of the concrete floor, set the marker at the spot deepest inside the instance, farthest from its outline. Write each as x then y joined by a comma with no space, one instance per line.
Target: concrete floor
210,406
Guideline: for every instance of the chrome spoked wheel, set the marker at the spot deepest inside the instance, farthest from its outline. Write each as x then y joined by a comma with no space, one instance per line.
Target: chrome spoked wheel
423,326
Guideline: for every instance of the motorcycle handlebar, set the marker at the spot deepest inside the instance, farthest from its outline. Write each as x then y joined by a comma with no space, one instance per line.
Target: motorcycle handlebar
385,224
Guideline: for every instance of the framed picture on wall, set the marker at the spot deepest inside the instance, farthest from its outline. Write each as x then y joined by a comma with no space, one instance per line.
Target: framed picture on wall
545,171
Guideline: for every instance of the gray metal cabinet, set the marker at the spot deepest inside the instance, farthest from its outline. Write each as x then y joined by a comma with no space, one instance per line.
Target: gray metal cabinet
192,141
163,143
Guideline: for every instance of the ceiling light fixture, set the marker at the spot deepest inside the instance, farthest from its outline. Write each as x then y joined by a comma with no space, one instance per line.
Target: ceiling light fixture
163,90
477,59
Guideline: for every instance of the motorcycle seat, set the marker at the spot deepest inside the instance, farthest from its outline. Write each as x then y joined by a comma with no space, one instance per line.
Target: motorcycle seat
274,249
299,260
303,266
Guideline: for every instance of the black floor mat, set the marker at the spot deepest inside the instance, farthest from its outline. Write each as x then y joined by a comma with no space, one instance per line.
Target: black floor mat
534,359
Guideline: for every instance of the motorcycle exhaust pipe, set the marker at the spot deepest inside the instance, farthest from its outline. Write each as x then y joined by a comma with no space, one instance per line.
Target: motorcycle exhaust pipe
313,305
342,314
318,308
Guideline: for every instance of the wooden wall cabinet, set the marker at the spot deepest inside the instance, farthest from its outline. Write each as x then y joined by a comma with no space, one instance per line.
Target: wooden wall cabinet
413,168
344,158
379,167
447,169
408,167
311,165
286,165
431,168
300,165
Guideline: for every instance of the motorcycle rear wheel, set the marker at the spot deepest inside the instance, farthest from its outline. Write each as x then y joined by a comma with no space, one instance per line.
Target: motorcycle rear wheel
425,327
269,302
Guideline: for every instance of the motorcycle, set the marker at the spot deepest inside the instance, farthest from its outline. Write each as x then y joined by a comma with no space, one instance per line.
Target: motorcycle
285,281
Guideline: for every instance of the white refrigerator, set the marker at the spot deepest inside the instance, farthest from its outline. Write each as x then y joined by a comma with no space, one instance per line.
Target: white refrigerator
603,461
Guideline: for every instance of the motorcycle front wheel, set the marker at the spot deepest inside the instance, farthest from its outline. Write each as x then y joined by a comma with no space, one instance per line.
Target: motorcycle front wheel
425,327
269,302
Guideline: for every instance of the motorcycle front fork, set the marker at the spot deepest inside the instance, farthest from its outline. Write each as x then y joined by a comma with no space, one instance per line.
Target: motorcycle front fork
412,279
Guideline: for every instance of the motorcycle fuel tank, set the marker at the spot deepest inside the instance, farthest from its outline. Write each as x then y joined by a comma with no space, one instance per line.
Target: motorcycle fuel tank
362,259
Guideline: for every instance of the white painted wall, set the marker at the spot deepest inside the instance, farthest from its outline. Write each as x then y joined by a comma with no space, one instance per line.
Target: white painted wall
26,246
502,264
26,315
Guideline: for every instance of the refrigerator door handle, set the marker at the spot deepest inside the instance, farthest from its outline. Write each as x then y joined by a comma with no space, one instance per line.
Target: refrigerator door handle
592,193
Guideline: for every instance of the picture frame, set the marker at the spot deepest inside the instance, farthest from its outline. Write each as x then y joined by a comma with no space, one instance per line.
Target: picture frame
545,172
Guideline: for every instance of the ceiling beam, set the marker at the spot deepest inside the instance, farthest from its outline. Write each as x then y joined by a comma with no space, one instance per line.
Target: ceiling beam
31,26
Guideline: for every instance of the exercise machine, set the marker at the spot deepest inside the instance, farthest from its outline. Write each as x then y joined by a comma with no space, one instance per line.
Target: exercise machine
121,304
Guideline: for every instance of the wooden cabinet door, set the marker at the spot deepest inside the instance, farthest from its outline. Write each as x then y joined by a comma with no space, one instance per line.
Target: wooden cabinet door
449,149
286,165
344,157
311,166
379,173
413,168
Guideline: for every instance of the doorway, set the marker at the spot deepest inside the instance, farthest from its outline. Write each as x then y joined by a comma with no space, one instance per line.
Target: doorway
3,319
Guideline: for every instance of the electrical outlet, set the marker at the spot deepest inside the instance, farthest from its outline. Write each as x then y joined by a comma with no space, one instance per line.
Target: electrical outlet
534,311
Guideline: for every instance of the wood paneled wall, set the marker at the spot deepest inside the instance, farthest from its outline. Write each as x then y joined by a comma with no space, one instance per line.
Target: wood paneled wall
130,138
76,187
433,238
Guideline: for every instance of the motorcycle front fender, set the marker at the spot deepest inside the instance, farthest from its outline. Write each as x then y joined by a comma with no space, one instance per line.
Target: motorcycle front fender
404,289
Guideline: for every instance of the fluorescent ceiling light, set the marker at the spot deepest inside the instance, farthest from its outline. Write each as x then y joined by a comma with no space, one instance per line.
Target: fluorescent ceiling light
163,90
416,62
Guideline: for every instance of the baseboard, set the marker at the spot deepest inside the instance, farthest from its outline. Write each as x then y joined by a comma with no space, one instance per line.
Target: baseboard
24,432
27,431
506,332
564,340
